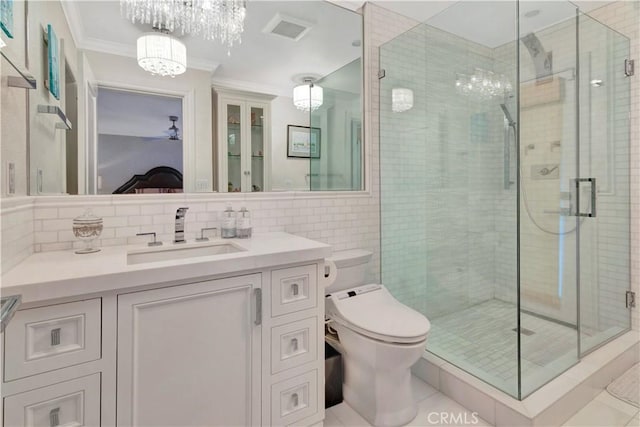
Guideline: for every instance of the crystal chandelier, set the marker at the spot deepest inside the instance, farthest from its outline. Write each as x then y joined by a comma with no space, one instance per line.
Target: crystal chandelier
483,84
307,96
161,54
221,20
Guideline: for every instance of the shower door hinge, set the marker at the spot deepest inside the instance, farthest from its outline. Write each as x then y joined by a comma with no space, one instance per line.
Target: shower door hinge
382,73
631,299
629,67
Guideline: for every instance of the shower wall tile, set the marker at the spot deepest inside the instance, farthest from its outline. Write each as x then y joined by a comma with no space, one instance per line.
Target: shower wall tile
439,175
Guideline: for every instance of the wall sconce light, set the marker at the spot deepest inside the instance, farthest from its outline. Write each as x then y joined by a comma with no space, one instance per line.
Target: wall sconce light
401,99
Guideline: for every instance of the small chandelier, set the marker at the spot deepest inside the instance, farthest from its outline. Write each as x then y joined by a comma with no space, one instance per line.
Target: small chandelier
161,54
401,99
307,96
483,84
221,20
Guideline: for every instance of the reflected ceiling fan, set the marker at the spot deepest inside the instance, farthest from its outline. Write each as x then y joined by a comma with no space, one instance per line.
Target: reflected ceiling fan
173,133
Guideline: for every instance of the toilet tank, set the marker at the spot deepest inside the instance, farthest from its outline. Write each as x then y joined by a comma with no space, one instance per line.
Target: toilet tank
351,269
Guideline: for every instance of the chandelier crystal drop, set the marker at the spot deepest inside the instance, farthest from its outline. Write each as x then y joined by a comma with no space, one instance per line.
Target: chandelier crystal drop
221,20
483,84
307,96
161,54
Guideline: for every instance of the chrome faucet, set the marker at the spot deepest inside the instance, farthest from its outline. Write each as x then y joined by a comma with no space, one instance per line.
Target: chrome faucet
179,236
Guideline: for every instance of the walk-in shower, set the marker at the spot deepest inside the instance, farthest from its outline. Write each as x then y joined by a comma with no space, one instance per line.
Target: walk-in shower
505,188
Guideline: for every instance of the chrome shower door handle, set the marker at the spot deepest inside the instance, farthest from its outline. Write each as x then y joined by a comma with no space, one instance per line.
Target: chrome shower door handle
575,186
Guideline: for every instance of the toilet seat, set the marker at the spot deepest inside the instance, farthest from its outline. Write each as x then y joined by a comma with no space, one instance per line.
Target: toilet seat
372,311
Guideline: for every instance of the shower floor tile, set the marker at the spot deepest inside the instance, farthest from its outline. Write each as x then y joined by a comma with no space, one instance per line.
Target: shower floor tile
481,340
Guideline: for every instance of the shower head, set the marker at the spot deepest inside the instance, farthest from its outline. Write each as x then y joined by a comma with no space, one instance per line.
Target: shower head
507,115
542,60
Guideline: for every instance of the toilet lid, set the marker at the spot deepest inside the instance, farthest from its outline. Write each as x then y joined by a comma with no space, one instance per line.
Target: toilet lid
372,311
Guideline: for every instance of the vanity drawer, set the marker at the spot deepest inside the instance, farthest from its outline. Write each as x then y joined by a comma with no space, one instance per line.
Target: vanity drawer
293,289
294,399
71,403
294,344
43,339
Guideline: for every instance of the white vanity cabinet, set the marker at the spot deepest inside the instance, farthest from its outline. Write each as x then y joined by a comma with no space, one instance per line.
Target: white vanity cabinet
243,135
175,344
190,355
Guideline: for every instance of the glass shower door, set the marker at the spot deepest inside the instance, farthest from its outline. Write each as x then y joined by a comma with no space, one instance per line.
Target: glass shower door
549,232
604,263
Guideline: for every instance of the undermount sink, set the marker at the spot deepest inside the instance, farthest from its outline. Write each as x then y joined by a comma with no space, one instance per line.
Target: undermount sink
175,252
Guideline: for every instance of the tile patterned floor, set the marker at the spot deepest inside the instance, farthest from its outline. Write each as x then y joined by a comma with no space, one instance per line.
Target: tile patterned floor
481,340
603,411
433,408
606,410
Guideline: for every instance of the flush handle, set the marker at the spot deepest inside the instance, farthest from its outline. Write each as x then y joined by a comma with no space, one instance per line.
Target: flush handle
295,289
294,344
295,400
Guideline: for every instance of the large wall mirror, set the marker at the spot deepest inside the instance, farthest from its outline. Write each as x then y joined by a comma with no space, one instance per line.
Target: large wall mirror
278,110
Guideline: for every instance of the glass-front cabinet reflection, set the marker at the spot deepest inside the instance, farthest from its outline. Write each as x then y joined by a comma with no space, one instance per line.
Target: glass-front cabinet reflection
243,140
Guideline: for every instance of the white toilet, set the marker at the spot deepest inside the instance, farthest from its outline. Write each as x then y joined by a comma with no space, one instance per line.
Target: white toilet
381,339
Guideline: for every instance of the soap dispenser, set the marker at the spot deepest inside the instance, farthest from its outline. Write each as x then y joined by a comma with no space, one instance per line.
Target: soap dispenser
243,225
228,227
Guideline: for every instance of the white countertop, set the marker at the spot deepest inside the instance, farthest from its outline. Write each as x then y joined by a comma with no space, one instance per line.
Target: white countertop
62,274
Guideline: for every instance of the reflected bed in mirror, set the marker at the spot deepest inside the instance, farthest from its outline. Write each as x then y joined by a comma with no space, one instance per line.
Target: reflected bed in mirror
161,179
235,103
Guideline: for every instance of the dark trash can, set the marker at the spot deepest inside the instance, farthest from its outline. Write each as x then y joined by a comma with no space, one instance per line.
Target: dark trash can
332,376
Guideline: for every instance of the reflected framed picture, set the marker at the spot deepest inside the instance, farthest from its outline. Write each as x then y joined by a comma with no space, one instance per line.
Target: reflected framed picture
6,17
303,142
53,56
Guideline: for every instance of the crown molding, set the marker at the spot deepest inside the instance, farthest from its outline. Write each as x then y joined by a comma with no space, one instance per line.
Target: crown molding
71,13
124,49
245,86
353,5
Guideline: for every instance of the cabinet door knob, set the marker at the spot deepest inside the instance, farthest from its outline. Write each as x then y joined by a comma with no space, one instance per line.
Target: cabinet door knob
55,336
294,289
294,344
295,399
54,417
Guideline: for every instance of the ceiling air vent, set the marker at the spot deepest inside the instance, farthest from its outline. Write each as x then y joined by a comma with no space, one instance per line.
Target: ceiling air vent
288,27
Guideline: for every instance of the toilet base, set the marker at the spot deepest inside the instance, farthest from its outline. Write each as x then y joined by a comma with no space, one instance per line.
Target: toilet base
377,378
392,417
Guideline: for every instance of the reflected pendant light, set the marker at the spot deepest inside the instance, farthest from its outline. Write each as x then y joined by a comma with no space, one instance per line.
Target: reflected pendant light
401,99
307,96
161,54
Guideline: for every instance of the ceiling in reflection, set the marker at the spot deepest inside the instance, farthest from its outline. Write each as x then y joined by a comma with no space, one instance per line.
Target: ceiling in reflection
263,59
